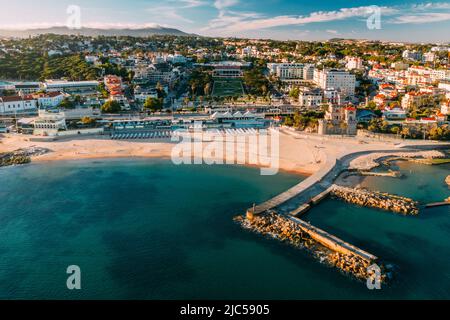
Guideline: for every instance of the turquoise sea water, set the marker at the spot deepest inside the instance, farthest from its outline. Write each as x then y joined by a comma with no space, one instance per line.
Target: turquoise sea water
145,229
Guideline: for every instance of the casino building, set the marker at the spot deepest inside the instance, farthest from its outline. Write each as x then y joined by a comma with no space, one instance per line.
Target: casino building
226,69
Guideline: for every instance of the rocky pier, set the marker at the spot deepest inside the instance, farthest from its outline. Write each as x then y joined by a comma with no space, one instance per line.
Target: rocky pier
285,230
378,200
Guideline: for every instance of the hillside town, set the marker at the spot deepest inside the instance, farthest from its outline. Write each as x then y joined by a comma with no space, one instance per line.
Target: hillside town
54,85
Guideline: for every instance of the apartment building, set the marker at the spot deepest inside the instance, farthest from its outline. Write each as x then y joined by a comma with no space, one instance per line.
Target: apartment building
310,99
419,99
341,80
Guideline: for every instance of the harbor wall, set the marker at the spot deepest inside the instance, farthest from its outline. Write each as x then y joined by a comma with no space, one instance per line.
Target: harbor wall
333,242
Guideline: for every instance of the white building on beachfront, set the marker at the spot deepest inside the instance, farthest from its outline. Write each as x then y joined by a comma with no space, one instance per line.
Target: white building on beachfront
49,123
239,120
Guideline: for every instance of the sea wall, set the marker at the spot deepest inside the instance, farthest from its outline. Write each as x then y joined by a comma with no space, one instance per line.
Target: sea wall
332,242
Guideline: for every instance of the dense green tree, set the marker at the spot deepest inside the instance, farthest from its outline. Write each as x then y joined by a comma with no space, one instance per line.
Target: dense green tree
111,106
153,104
67,104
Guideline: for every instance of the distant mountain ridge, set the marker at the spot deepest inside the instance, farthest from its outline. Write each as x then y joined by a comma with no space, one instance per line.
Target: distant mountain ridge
92,32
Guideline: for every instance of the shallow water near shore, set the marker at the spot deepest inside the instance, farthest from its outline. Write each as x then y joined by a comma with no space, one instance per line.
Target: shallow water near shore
146,229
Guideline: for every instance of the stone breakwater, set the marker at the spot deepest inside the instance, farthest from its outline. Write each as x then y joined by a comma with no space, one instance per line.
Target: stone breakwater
21,156
378,200
278,227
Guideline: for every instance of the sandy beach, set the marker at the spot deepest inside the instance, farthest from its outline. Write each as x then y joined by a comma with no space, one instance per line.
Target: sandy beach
298,153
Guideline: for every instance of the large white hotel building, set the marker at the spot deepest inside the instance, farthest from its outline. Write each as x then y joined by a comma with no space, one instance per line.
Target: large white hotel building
292,71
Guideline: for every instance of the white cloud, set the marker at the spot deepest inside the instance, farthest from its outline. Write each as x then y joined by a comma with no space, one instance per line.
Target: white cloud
233,24
431,5
223,4
332,31
424,13
422,18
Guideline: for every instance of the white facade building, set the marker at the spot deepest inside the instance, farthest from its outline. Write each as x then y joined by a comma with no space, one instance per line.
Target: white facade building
332,96
340,80
49,123
429,57
71,86
176,58
445,108
310,99
354,63
291,71
412,55
308,71
17,104
49,100
444,85
141,95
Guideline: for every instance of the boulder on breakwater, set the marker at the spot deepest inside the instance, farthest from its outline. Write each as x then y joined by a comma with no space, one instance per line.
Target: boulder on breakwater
378,200
447,180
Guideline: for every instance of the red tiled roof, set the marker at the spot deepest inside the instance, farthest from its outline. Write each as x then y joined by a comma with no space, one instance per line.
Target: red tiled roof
11,98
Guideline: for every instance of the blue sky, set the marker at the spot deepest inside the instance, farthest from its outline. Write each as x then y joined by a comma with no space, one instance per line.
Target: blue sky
279,19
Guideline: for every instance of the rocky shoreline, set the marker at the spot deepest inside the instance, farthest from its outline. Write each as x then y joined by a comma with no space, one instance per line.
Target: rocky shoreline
20,156
278,227
378,200
374,160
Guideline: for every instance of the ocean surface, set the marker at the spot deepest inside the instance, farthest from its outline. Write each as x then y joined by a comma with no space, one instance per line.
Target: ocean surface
146,229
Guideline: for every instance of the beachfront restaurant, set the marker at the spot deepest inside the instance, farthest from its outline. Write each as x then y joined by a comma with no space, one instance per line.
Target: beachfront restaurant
239,120
140,125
